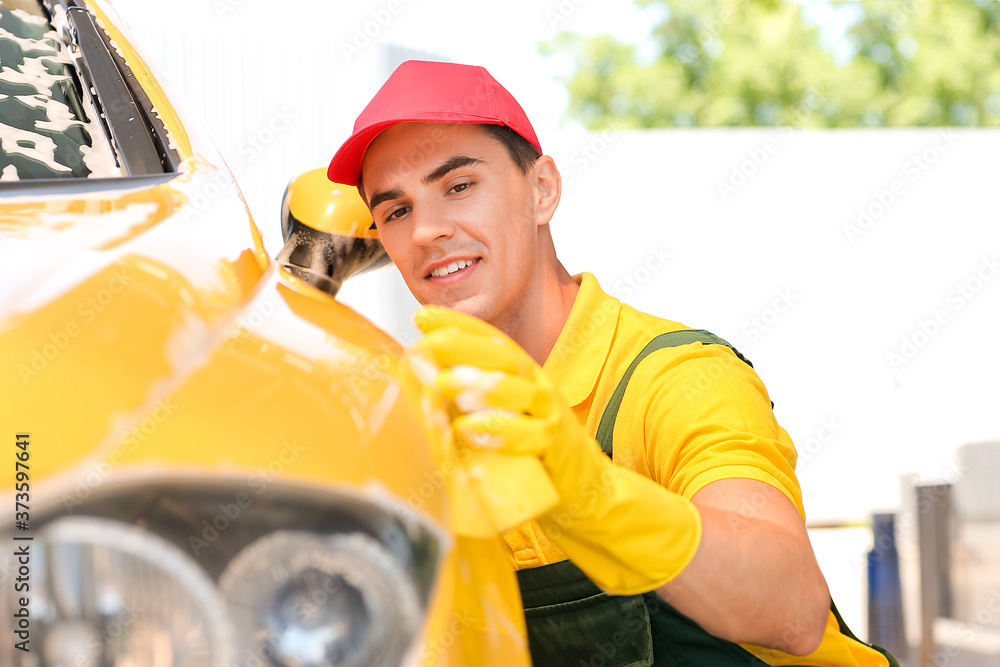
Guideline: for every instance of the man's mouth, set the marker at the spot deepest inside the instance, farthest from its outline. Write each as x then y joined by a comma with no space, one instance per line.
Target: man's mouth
453,267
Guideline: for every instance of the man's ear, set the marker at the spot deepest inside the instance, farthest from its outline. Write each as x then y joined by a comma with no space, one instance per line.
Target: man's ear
547,182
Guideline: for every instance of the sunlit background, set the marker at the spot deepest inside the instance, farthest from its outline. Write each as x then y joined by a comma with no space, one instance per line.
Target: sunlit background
857,267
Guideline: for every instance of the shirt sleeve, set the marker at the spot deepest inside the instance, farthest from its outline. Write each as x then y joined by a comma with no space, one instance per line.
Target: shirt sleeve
696,414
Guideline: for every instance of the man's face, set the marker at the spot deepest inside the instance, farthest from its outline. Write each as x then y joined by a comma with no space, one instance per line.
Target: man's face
444,196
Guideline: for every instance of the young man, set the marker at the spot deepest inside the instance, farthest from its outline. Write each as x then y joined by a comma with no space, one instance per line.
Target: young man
700,515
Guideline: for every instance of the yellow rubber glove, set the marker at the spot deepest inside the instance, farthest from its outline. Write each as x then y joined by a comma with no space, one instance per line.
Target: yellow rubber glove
489,490
627,533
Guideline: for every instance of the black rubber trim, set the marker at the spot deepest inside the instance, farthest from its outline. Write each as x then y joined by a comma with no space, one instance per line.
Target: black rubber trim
169,157
61,186
123,118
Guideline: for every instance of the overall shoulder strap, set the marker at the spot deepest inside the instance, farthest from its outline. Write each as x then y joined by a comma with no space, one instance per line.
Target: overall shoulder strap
606,427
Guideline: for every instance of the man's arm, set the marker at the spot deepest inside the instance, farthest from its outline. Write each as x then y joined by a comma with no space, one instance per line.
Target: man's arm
754,578
627,531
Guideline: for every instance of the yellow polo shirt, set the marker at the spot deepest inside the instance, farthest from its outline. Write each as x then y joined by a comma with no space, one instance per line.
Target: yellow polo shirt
691,415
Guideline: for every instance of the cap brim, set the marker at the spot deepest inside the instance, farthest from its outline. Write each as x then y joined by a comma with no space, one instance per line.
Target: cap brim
345,167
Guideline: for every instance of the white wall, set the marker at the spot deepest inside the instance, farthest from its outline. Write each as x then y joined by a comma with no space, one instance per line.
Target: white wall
782,268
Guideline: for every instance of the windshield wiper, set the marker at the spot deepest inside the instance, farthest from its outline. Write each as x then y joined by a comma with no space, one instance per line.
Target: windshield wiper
139,149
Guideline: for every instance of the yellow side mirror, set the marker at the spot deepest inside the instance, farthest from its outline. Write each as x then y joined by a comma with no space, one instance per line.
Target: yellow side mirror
329,232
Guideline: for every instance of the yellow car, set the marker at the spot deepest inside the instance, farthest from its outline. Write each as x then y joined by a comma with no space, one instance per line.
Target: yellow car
209,460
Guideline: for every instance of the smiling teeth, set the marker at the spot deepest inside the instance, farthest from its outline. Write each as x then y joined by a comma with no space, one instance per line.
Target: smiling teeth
453,267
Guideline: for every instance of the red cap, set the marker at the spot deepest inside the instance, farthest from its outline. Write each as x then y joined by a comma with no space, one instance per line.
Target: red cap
429,92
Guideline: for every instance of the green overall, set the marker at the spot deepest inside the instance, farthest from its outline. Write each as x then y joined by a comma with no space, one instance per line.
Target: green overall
572,622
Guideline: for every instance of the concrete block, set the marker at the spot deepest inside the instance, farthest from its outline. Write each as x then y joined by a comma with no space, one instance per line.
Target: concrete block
958,644
976,495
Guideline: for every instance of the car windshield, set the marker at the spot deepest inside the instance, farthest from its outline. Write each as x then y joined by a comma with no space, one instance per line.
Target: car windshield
48,128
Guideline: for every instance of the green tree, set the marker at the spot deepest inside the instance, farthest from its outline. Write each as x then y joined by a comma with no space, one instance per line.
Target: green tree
759,62
935,63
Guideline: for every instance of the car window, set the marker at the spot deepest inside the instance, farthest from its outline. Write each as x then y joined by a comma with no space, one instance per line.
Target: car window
69,107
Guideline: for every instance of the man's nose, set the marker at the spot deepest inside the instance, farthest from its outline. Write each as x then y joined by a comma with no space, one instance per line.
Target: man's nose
429,225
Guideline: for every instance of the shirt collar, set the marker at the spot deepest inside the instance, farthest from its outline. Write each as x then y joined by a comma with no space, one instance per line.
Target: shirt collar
582,347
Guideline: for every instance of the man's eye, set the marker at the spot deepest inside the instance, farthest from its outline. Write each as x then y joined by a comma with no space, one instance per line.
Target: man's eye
395,214
461,187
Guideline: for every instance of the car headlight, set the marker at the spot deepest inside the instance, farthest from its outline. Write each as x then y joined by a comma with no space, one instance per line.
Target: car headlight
304,600
173,573
106,593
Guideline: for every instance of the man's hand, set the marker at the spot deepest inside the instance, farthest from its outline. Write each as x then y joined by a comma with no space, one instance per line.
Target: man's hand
494,479
628,534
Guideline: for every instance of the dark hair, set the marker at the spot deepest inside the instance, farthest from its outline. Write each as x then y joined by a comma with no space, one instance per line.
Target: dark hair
521,152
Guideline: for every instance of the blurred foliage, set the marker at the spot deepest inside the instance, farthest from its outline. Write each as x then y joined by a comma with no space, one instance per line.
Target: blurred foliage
759,62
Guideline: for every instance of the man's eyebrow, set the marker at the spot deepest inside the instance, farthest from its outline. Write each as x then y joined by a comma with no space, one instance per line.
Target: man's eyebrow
449,165
384,195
